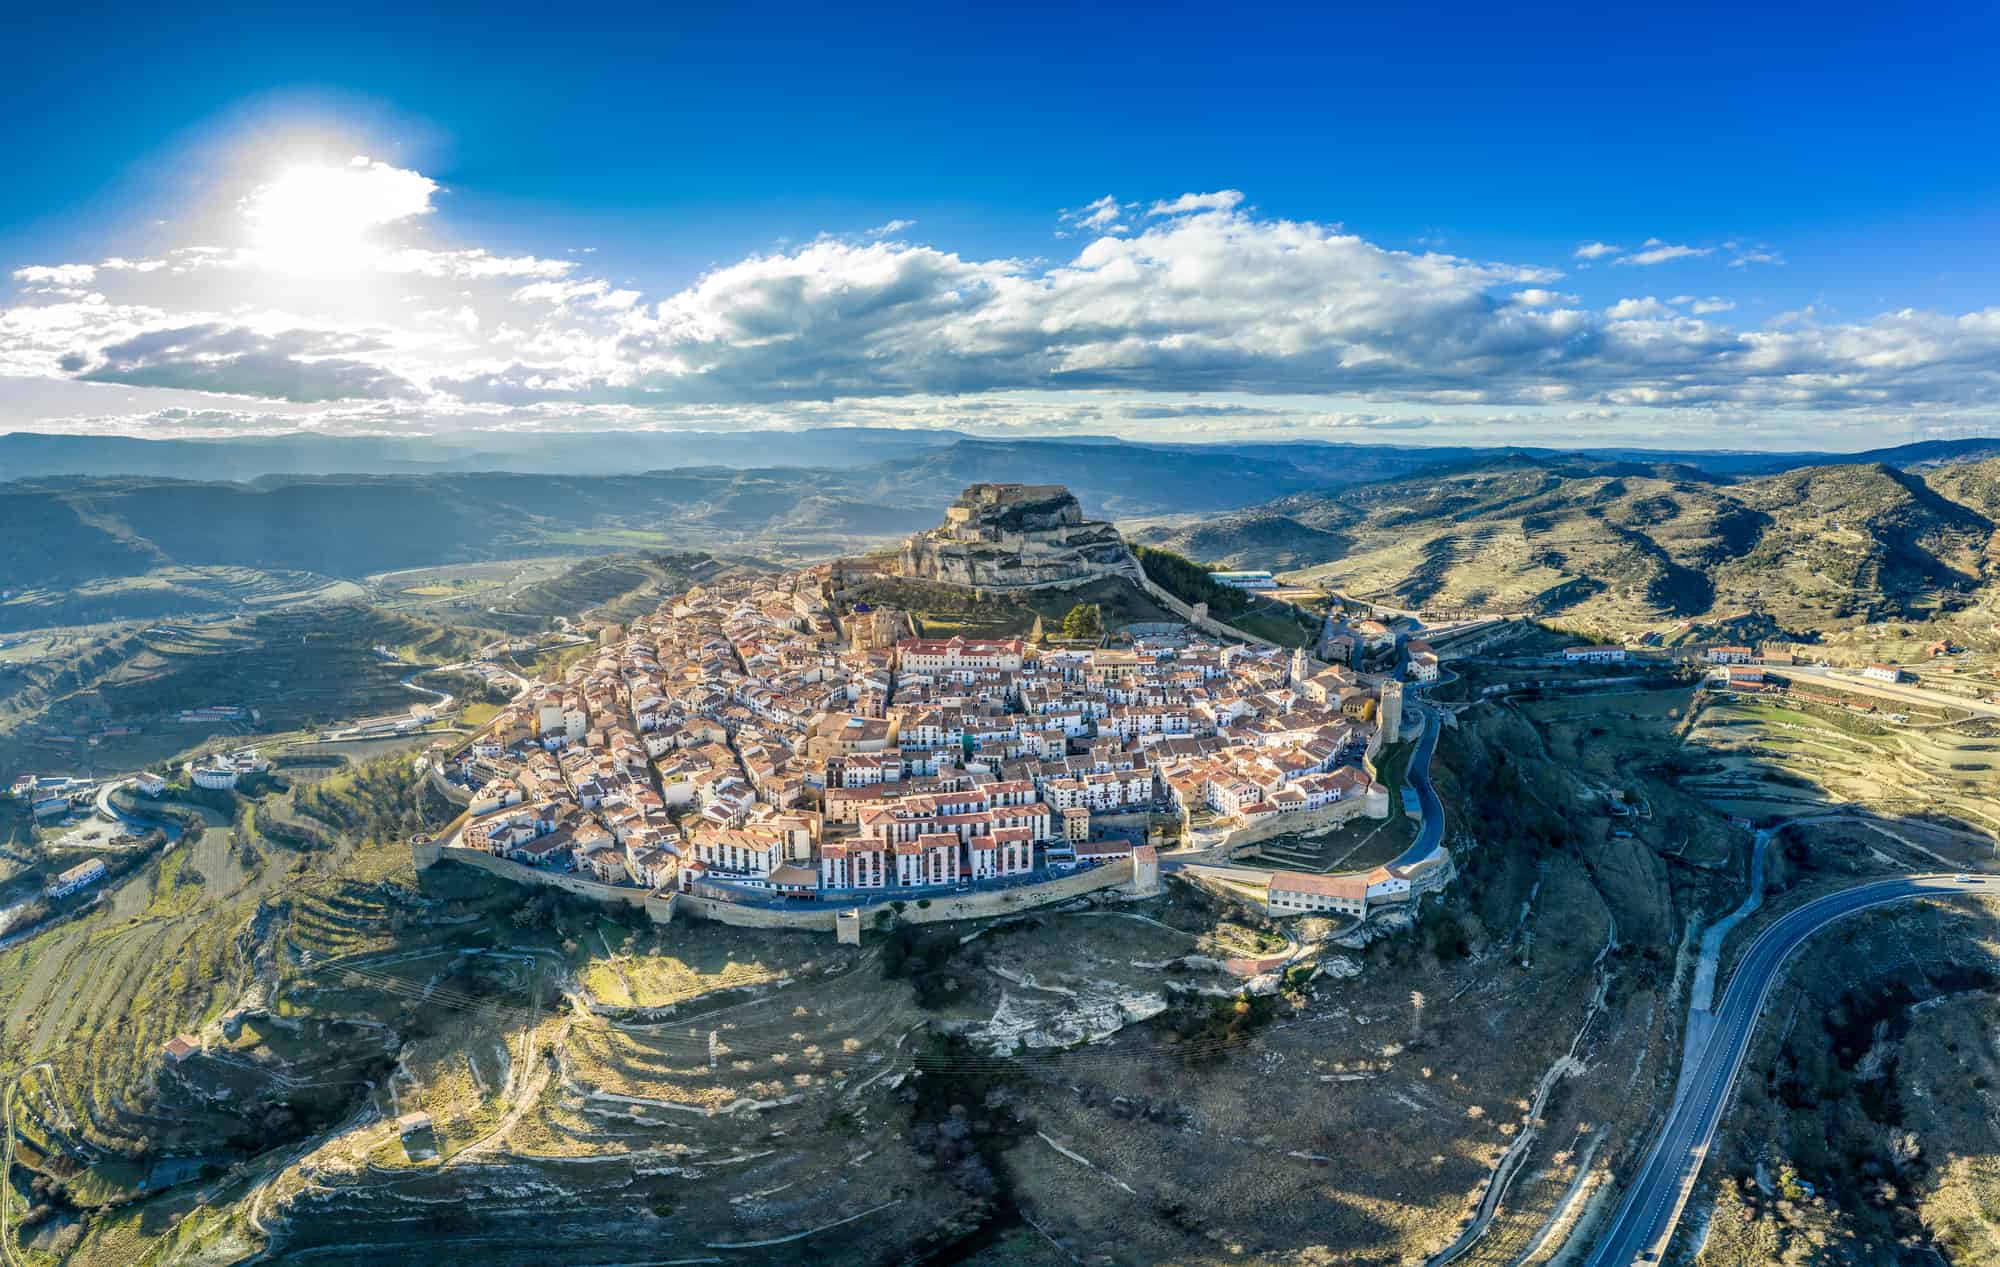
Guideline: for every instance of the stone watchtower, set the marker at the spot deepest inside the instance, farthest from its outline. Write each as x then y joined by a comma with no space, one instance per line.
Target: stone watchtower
1145,871
425,851
1390,715
1301,666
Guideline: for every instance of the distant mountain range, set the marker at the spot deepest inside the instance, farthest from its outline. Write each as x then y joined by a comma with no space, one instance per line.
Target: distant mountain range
26,455
105,528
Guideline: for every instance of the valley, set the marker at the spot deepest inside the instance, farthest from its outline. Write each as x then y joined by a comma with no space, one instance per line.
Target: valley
391,1056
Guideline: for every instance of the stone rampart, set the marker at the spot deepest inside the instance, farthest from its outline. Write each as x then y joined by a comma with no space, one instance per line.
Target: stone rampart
658,907
1370,804
1207,624
919,907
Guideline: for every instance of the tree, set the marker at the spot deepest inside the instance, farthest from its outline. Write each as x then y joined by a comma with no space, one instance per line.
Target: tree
1082,621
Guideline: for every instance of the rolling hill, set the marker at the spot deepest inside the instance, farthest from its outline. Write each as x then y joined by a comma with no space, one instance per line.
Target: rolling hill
1631,542
1439,526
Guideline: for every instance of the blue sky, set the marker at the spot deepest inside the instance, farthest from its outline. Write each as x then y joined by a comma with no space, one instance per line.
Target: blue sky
1804,213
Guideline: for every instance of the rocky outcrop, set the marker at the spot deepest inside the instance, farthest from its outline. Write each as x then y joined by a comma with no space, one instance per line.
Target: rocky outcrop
1016,536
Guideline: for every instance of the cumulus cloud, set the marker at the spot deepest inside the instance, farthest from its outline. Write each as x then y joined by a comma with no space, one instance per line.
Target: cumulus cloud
56,274
1628,309
1655,251
1220,200
1219,301
297,365
1204,295
364,192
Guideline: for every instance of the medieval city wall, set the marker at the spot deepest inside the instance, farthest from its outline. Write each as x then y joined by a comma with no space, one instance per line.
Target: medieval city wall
659,908
1207,624
918,908
1371,805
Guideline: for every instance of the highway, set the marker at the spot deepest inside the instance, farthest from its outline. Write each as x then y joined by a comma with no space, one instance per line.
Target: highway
1645,1220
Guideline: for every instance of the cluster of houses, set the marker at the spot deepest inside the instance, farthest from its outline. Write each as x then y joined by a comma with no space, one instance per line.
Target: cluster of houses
746,742
224,770
51,796
1355,643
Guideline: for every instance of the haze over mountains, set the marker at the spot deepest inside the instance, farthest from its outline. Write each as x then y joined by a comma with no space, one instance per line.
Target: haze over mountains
30,455
100,528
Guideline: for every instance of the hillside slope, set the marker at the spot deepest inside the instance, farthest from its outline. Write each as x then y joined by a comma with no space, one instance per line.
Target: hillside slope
1631,542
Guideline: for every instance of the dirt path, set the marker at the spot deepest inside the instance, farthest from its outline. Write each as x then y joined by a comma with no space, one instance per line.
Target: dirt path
1513,1160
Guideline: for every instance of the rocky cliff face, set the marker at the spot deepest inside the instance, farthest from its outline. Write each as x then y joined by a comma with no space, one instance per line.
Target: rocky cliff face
1016,536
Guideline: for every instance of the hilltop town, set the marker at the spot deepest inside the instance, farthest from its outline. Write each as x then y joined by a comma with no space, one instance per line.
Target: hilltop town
758,743
1184,821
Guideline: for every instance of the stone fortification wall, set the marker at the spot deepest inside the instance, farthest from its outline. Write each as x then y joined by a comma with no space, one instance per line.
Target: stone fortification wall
1371,804
450,791
658,907
943,906
1200,620
663,907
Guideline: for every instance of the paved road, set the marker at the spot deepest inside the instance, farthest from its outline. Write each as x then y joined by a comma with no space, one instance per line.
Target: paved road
1431,834
1645,1220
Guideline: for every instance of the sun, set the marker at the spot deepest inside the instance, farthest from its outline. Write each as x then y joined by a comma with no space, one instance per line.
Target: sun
320,218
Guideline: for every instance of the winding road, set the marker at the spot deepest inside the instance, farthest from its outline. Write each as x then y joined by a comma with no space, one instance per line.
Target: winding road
1645,1220
1431,834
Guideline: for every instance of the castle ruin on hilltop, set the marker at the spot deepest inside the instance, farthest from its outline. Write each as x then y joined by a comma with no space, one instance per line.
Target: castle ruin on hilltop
1016,536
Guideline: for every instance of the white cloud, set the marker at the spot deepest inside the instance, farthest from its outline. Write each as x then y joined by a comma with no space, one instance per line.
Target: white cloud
56,274
1655,251
1537,297
1208,297
1220,200
1102,216
300,365
1596,250
1632,309
1756,256
891,228
469,264
318,217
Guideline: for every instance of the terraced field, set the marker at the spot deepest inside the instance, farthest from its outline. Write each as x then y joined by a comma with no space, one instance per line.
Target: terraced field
171,592
1781,759
298,668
